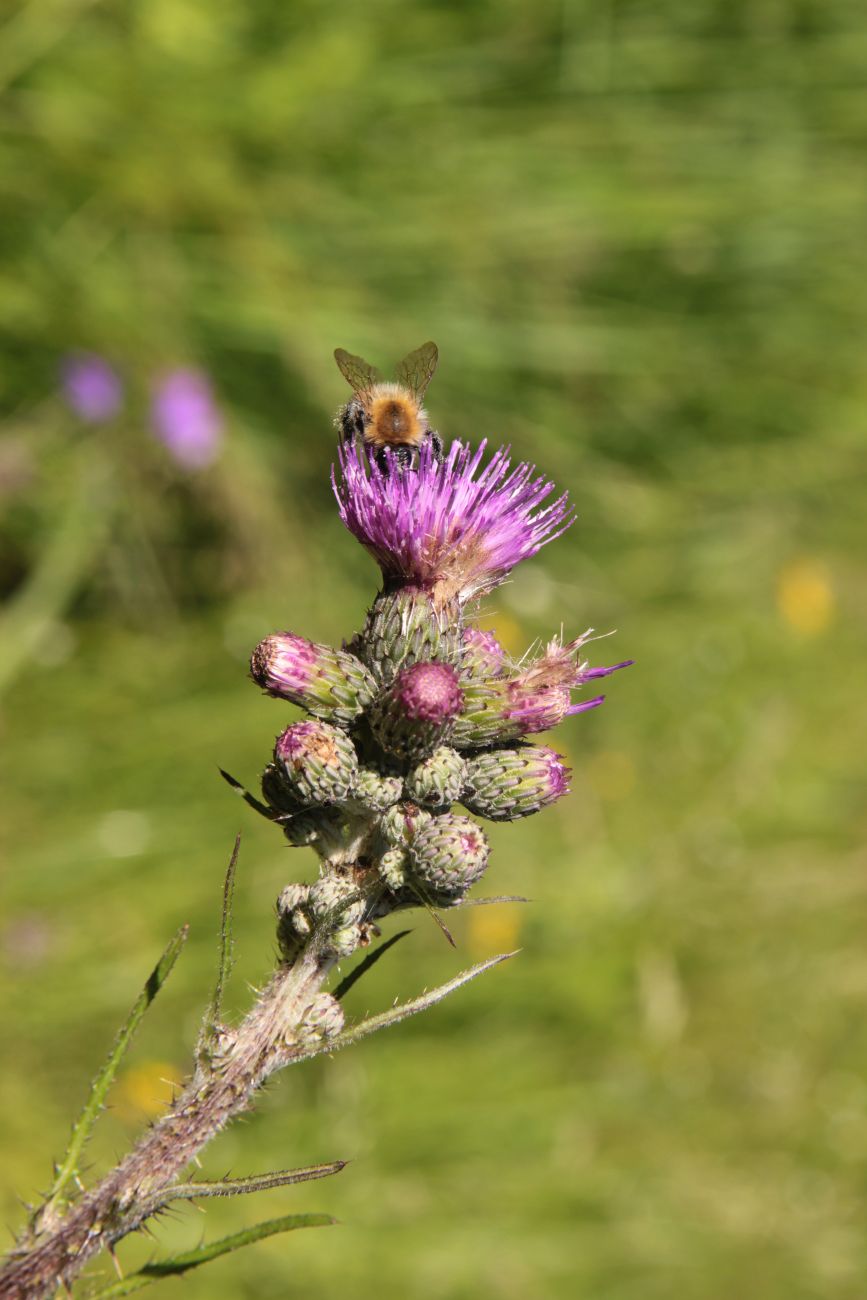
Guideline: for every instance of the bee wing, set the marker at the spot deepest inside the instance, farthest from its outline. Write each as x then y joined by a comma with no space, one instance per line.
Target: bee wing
416,370
360,376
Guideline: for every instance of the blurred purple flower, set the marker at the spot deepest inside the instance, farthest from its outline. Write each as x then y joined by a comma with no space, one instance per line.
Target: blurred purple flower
91,387
186,418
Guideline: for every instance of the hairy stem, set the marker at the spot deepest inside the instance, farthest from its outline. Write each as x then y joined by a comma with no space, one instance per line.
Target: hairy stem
223,1086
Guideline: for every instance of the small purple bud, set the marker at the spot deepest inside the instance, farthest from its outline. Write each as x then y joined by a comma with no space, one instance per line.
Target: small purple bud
506,784
332,684
483,656
317,762
186,418
416,712
91,387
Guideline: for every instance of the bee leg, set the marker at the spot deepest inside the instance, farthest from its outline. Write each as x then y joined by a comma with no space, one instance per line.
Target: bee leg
399,455
436,444
350,420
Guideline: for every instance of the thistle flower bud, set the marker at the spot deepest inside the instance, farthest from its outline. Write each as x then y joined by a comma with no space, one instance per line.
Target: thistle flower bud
482,655
276,793
405,628
323,1019
416,712
447,856
439,778
375,791
334,899
506,784
330,684
401,824
392,867
318,762
293,918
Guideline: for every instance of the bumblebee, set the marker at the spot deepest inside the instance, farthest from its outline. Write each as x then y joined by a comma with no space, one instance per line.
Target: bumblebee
389,415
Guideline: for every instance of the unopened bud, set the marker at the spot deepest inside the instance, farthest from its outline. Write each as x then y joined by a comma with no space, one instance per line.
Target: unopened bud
404,628
506,784
447,856
334,899
375,791
400,825
482,655
318,762
417,711
323,1020
392,868
277,794
439,778
331,684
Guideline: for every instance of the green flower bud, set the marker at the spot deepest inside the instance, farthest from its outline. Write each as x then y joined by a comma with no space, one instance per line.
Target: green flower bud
404,628
331,684
482,655
506,784
392,867
317,762
276,793
329,900
401,824
323,1020
376,792
447,856
439,778
293,919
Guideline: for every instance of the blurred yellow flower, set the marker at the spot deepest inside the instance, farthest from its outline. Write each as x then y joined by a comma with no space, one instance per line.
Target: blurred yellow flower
146,1089
805,597
493,928
612,774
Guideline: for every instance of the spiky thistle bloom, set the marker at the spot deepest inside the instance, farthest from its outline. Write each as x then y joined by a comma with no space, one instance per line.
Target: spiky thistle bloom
534,696
454,529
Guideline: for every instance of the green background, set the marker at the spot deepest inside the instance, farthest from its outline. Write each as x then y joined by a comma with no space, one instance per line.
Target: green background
637,233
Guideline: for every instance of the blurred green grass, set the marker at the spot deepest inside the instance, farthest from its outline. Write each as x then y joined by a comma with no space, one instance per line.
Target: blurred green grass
638,235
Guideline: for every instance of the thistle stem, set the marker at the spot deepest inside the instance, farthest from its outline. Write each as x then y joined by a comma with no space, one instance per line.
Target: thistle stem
271,1036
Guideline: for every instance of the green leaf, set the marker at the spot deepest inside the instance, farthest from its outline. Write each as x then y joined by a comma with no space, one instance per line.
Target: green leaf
364,966
210,1250
214,1013
405,1009
243,1186
104,1079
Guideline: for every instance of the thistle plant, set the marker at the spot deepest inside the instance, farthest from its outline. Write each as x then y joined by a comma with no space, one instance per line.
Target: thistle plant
417,727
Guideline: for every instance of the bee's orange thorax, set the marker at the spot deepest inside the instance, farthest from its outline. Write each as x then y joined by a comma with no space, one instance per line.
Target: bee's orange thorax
393,416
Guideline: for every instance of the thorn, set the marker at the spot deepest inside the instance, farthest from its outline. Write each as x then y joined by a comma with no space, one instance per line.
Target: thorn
116,1262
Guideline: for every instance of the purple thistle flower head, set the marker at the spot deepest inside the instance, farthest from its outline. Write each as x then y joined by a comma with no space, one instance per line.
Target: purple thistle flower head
91,387
186,418
453,528
428,692
540,696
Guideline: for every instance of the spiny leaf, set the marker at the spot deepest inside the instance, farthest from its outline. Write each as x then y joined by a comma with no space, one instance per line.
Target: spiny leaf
404,1009
364,966
247,797
104,1079
493,898
256,1183
212,1250
215,1011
